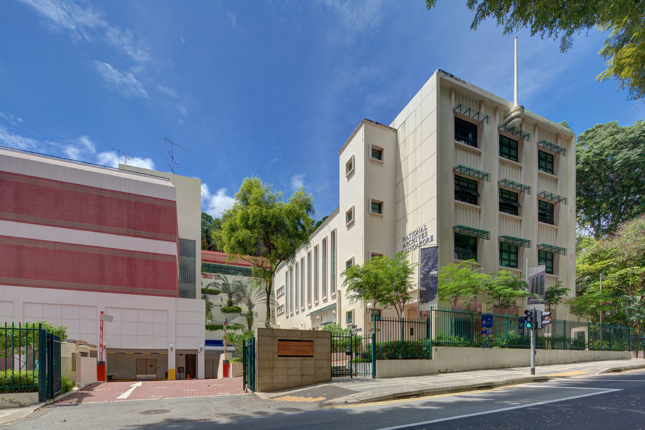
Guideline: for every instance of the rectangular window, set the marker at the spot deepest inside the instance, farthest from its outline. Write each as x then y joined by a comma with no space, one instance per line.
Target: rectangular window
466,190
376,313
333,262
377,208
302,282
349,166
349,216
508,148
280,292
545,212
291,292
280,310
349,263
545,162
296,288
309,278
508,255
508,202
316,274
349,317
465,247
187,268
377,153
324,267
287,292
465,132
227,270
546,259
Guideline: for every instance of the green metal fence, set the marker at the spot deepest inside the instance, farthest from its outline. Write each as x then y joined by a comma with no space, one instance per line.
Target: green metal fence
20,359
248,365
403,339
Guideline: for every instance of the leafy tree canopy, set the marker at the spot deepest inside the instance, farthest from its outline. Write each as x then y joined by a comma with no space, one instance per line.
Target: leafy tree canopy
623,50
610,176
461,282
506,289
262,223
210,226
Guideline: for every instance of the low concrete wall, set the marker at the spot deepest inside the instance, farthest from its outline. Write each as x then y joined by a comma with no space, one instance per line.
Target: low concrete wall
447,359
17,400
85,370
275,373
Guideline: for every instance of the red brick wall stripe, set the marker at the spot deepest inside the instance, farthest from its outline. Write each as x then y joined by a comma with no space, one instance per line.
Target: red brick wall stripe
86,227
84,287
52,200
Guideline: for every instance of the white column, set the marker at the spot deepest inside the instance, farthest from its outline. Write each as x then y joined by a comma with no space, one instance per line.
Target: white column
201,355
171,362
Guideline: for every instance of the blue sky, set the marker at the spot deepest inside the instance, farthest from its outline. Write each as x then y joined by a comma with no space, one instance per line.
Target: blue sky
267,88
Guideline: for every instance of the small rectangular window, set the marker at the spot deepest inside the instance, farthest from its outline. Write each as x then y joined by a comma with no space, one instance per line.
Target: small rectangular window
349,166
349,216
316,258
377,208
466,190
545,162
508,255
349,317
349,263
545,212
508,202
333,262
546,259
465,132
508,148
465,247
377,153
375,314
324,268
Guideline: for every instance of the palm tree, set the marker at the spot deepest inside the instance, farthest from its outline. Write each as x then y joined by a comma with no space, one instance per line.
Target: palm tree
232,288
252,295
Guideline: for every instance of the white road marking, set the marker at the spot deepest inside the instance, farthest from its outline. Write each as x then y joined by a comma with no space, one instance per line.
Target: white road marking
571,388
527,405
127,393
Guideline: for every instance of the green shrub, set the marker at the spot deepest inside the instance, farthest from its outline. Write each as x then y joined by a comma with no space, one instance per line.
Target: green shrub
235,360
23,381
215,327
211,291
232,309
66,384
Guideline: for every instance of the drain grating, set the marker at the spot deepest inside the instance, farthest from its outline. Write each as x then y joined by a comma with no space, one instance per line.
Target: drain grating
155,411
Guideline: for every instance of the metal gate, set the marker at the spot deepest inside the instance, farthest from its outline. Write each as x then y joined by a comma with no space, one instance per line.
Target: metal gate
53,366
248,365
352,356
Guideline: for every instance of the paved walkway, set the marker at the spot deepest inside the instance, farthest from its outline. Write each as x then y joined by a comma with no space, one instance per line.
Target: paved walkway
149,390
362,390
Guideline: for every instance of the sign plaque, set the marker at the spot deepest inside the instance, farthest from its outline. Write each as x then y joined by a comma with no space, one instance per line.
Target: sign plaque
295,348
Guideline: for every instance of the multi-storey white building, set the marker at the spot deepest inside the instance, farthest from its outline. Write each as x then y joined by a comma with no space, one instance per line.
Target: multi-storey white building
459,169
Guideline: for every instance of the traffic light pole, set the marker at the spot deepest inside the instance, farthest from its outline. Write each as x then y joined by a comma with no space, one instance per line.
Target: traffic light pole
532,352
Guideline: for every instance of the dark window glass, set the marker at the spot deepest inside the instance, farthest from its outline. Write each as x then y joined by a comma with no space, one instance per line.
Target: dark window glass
227,270
349,319
466,190
508,255
508,202
465,132
545,212
377,208
465,247
377,154
546,259
545,162
376,313
508,148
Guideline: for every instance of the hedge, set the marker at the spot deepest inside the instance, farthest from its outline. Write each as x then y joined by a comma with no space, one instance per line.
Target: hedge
18,381
215,327
232,309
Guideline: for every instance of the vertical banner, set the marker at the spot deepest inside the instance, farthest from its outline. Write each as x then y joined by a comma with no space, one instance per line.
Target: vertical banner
535,279
428,277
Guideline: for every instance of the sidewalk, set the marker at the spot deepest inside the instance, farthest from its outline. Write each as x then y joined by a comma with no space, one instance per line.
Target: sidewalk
342,391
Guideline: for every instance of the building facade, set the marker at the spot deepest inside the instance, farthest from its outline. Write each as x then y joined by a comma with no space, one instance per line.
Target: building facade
78,239
459,169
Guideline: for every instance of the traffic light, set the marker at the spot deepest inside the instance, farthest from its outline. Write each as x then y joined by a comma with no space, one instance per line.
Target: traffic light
542,319
528,318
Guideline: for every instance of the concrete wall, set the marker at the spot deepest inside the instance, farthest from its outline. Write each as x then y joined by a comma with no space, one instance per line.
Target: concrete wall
275,373
448,360
85,370
17,400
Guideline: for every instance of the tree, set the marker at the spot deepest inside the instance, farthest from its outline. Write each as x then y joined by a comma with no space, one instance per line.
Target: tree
504,291
461,281
320,222
252,295
367,281
210,226
398,282
610,176
623,50
555,295
238,339
18,340
233,289
260,223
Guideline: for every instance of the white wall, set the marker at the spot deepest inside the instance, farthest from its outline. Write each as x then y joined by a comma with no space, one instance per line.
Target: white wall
85,370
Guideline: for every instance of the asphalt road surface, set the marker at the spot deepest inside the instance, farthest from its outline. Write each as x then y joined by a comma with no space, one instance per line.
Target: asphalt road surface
614,401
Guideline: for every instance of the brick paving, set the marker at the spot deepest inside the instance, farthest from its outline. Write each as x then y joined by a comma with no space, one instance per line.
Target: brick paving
150,390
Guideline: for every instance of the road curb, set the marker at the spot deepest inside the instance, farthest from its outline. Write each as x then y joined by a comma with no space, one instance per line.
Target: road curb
619,369
383,396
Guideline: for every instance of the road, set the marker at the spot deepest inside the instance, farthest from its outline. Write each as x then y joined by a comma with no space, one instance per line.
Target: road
600,402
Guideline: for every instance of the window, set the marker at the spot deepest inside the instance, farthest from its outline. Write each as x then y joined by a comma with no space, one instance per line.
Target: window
316,274
302,282
227,270
287,292
280,292
333,262
465,132
349,317
545,212
377,207
324,268
349,263
187,272
291,290
374,254
280,310
465,247
376,313
349,166
508,255
309,278
377,153
296,288
508,202
546,259
508,148
349,216
466,190
545,162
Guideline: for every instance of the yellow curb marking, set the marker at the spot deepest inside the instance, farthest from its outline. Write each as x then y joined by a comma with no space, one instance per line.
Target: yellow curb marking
299,399
572,373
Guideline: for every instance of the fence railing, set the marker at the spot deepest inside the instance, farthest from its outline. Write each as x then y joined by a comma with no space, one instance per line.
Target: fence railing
20,358
400,338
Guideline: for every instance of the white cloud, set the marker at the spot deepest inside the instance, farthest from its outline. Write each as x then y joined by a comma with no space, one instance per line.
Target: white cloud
15,141
167,91
79,149
124,82
357,15
112,159
231,17
10,118
124,41
298,181
182,109
216,204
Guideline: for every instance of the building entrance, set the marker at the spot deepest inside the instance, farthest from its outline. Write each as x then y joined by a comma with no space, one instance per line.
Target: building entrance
191,365
146,368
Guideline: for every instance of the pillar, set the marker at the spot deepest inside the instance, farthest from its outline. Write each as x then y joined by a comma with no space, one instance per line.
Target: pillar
171,362
201,360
